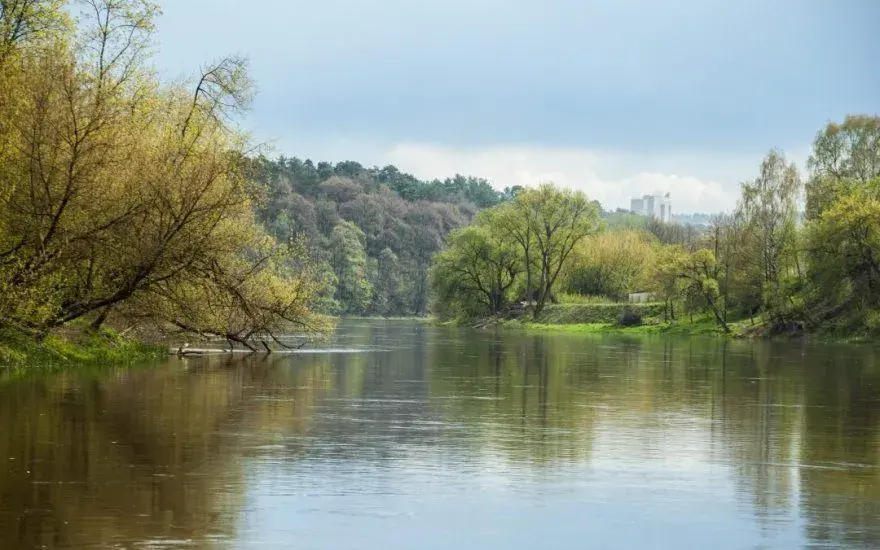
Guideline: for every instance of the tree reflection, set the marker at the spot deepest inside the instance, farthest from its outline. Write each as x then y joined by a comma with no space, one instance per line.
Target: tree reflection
140,456
163,454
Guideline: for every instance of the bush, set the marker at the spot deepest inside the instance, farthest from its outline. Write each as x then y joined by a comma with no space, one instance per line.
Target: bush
629,318
571,314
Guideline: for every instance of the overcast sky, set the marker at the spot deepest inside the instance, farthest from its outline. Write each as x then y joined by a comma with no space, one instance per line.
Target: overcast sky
613,97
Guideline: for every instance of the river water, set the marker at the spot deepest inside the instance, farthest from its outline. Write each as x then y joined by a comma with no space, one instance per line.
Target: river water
407,436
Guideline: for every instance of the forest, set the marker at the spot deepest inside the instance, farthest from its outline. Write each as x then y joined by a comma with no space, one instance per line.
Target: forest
122,196
798,253
371,232
128,199
374,232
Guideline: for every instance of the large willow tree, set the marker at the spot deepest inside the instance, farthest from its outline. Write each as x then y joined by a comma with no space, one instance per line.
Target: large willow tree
120,194
515,249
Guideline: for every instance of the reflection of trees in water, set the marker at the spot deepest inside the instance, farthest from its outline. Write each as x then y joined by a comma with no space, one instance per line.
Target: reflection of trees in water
772,412
150,454
517,396
141,455
841,430
792,421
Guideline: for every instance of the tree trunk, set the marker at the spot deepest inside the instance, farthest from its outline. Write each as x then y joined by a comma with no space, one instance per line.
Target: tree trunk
100,319
718,317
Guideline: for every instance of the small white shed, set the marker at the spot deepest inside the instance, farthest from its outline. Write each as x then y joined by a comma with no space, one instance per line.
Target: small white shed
640,297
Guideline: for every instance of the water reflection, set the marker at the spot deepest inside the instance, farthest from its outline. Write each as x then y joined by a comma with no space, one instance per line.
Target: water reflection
452,438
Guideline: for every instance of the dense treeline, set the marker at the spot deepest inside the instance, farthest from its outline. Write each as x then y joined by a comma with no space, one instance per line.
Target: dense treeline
374,231
793,267
812,270
122,195
371,231
516,250
547,242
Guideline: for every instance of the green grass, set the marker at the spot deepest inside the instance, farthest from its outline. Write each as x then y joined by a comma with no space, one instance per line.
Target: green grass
595,312
568,299
703,325
74,348
682,328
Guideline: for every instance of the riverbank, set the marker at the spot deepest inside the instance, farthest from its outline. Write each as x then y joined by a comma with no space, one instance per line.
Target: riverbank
606,319
73,347
701,328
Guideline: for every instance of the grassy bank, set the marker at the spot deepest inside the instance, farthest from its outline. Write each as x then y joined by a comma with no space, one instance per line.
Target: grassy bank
604,318
73,348
683,329
607,313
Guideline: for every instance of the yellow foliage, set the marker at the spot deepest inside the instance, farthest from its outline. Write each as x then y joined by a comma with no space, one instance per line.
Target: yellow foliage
611,264
121,191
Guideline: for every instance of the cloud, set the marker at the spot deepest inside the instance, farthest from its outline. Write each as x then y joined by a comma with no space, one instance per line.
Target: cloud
610,177
707,75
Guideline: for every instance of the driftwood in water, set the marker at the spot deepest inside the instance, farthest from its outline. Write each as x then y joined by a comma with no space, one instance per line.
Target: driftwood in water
183,351
191,353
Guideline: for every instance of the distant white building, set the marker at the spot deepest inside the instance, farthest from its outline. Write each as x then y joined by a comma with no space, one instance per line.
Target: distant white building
641,297
655,206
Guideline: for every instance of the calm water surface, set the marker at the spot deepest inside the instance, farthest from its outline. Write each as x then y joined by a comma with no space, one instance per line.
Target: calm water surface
436,438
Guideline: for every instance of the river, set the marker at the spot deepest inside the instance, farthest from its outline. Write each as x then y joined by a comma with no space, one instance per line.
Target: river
401,435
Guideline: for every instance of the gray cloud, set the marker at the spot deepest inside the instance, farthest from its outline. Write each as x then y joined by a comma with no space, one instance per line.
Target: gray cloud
647,78
688,73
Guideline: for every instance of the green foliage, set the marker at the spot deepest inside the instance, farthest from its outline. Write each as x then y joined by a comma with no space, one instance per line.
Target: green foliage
349,261
846,251
845,157
131,198
474,274
403,220
700,326
568,298
768,214
76,348
551,222
611,264
622,220
842,236
122,195
532,235
555,314
686,236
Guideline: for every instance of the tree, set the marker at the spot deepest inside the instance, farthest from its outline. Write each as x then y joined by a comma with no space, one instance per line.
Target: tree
845,156
518,222
666,278
557,220
768,210
695,277
388,283
349,261
478,266
29,21
700,273
257,297
610,264
687,236
119,190
534,234
729,240
845,243
409,218
841,194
